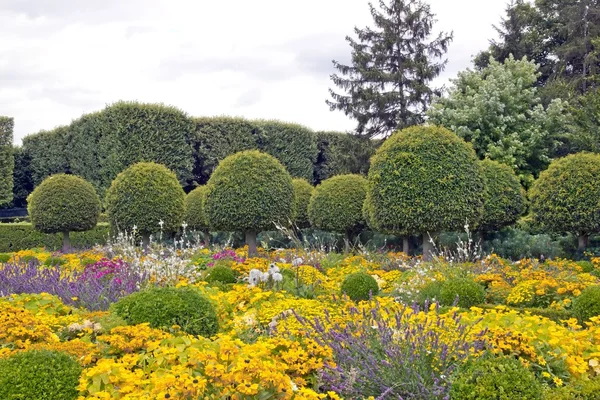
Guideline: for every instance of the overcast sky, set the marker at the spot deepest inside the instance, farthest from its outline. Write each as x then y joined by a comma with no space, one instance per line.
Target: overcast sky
257,59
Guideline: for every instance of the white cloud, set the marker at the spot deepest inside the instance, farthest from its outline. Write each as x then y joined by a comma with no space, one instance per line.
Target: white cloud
261,59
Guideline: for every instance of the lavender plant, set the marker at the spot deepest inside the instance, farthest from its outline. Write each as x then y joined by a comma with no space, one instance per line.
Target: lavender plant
95,288
405,354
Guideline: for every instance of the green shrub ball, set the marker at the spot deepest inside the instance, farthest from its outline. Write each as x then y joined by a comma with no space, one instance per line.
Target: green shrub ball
165,307
64,203
221,274
424,179
337,204
504,197
143,195
469,292
360,286
39,375
566,196
587,304
249,191
499,378
302,193
194,215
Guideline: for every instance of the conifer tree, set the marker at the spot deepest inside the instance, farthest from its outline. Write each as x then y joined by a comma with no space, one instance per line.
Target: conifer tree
387,85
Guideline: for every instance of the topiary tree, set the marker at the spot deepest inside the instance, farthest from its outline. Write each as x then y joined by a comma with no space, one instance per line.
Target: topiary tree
302,193
337,205
566,196
7,160
142,196
504,196
360,286
64,203
194,215
424,180
249,191
40,375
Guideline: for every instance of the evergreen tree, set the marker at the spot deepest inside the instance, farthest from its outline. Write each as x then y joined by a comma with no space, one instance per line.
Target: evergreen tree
387,84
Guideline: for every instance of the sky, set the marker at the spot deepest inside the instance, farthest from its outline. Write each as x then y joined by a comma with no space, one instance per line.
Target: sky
266,59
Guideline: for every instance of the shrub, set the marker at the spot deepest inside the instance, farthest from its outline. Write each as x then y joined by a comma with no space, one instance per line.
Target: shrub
40,375
54,261
22,236
588,389
424,179
501,378
194,209
566,197
504,197
342,153
249,192
337,204
47,152
142,196
7,160
469,292
165,307
302,194
587,305
431,292
4,258
220,273
64,203
360,286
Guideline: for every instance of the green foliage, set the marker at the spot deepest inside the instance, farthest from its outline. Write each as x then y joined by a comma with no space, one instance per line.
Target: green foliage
342,153
40,375
566,197
7,160
22,236
5,257
164,307
584,389
587,305
249,191
22,177
336,204
504,197
302,193
64,203
586,122
360,286
515,244
54,261
387,85
501,378
194,208
143,195
220,273
497,109
47,152
469,292
424,179
431,292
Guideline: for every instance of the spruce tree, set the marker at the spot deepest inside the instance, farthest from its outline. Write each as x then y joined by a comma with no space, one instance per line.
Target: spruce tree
387,84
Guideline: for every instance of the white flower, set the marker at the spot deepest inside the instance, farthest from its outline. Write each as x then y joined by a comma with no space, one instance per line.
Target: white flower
277,277
265,276
273,269
296,262
161,223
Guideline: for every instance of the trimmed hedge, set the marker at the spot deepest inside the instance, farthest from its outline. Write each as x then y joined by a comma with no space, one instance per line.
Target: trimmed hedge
340,153
22,179
7,160
302,193
22,236
47,150
194,214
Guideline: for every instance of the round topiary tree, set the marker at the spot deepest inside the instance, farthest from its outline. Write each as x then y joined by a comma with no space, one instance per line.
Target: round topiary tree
194,215
337,205
64,203
142,196
249,191
360,286
501,378
587,304
424,180
302,194
40,375
504,197
163,307
566,196
220,273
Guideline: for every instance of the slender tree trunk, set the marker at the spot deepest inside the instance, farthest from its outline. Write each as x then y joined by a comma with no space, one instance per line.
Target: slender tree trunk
206,235
145,241
66,242
427,247
406,244
583,242
347,241
251,242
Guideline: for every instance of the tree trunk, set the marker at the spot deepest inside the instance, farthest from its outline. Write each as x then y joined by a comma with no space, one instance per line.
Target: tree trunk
251,242
66,242
348,241
583,242
406,244
206,235
427,248
145,241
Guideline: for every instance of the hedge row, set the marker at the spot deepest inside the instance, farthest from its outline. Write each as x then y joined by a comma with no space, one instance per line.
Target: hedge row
99,145
6,160
22,236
